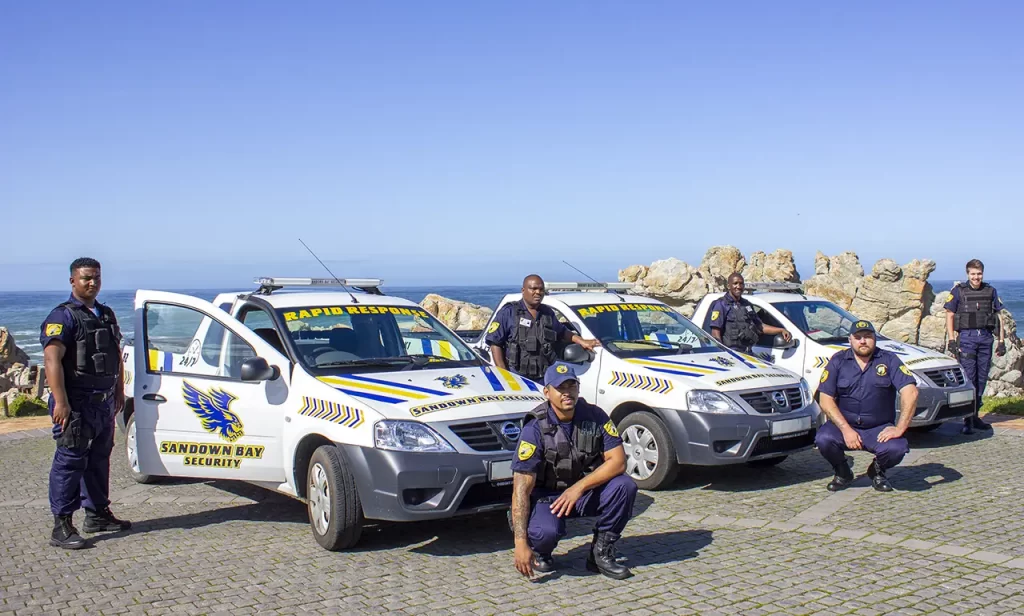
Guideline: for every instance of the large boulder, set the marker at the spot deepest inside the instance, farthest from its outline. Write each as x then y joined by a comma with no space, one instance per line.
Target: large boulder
718,264
672,281
893,298
837,278
9,352
775,267
455,314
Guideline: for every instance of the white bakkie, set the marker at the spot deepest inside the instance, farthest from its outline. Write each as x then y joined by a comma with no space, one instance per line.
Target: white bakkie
362,405
820,328
675,393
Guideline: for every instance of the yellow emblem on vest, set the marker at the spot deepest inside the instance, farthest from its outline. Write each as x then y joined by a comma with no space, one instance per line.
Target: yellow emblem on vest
526,450
561,370
54,329
824,375
714,315
881,370
493,327
610,429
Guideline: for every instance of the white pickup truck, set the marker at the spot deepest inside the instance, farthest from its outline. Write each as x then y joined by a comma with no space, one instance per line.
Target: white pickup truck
820,329
676,395
362,405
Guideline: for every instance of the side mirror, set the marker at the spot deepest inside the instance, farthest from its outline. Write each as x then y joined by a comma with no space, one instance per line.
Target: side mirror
575,354
482,354
780,342
257,369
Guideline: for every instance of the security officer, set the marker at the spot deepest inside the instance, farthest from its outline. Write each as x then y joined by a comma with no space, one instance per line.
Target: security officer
972,314
523,334
80,340
734,322
858,394
569,463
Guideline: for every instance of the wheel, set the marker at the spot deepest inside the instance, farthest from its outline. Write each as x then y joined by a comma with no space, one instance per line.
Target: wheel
335,513
650,453
766,462
928,428
131,449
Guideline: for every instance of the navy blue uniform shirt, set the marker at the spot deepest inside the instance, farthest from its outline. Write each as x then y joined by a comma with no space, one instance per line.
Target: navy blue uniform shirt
721,307
953,300
59,325
866,398
505,322
530,450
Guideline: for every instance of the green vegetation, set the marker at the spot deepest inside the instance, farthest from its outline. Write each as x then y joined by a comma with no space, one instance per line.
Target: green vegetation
26,406
1003,406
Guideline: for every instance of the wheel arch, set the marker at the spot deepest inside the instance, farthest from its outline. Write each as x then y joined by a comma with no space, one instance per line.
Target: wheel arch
302,457
671,419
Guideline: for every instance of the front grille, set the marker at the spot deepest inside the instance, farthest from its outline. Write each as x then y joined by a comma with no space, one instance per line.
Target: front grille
486,436
946,377
946,412
761,401
767,444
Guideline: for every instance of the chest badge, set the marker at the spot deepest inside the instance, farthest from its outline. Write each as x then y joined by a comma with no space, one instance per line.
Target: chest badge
455,381
525,322
881,370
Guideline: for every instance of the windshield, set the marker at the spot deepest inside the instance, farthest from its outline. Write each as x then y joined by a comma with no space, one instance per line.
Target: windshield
629,330
336,338
823,322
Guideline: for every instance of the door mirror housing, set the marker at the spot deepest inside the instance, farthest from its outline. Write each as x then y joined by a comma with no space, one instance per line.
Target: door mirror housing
575,354
780,343
257,369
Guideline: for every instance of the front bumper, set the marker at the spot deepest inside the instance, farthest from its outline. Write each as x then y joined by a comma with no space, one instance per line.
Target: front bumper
934,405
404,487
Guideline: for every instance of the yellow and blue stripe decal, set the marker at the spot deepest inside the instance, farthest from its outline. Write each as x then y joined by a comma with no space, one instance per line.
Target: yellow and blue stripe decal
333,412
379,389
636,381
746,360
502,380
820,362
669,367
437,348
160,360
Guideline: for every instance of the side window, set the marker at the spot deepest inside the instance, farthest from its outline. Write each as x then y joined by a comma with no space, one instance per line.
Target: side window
564,321
766,340
173,346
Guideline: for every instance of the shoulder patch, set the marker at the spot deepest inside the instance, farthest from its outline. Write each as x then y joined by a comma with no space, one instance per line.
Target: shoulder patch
493,327
881,370
824,375
526,450
905,370
54,329
714,315
611,429
949,297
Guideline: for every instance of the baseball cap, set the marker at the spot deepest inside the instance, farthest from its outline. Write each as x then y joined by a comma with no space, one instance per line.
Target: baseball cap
558,373
862,326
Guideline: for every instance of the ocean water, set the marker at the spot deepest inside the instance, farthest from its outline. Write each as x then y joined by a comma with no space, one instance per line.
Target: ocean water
23,312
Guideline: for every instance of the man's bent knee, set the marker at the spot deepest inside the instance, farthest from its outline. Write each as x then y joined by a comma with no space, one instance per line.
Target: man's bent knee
892,452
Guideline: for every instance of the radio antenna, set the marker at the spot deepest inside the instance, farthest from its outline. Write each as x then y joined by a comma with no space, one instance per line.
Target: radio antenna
338,280
622,299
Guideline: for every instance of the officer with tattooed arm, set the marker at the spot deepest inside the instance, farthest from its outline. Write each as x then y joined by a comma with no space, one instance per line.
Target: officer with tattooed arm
569,463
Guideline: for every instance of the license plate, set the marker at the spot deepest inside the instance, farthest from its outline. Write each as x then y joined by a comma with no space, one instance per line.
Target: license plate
961,397
789,426
499,470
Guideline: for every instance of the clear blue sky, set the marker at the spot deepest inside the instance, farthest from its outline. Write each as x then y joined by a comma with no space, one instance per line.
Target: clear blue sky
470,142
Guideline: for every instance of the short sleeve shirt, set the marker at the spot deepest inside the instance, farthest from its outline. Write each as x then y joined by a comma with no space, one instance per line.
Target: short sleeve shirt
499,332
953,300
59,325
722,306
530,448
866,398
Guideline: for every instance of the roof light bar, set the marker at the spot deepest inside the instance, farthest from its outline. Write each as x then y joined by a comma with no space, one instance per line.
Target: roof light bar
588,286
318,282
774,286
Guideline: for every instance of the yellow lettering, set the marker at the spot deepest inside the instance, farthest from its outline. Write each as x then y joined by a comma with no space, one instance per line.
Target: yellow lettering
290,316
337,311
405,311
315,312
304,314
352,309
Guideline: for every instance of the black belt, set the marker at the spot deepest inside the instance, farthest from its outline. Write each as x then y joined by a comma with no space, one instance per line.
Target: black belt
90,396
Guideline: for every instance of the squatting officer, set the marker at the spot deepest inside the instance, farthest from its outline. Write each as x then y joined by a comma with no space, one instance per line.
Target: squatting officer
734,322
80,340
523,334
972,314
858,394
569,463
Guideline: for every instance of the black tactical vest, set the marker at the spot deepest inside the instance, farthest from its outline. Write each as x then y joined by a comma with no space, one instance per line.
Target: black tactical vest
740,328
976,309
565,461
92,361
531,349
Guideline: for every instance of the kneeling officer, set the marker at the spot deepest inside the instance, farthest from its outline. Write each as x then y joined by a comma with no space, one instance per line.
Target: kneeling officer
569,463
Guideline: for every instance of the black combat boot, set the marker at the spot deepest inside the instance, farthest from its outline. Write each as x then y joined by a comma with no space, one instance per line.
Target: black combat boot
103,520
65,535
602,557
842,479
543,563
978,424
878,478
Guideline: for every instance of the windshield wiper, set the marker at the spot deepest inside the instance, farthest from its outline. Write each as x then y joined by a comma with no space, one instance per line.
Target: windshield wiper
828,339
374,361
683,347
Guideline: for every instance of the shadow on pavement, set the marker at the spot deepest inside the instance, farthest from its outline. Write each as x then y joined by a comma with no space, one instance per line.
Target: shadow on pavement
946,435
799,468
915,478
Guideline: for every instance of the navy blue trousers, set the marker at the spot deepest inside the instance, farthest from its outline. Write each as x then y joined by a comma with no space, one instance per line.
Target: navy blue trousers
81,476
611,503
832,446
976,359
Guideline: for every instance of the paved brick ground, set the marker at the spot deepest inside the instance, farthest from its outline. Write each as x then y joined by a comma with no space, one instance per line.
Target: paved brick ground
724,541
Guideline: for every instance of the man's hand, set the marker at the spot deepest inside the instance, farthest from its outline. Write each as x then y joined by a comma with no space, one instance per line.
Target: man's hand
852,438
524,558
564,504
953,348
118,401
61,414
890,433
786,335
590,344
1001,348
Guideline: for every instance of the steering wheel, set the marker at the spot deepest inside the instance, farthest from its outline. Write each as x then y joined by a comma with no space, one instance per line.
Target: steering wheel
320,350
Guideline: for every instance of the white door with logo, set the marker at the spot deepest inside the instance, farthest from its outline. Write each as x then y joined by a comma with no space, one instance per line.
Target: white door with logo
210,394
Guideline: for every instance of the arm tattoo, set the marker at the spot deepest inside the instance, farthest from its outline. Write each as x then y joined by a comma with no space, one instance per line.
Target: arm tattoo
522,486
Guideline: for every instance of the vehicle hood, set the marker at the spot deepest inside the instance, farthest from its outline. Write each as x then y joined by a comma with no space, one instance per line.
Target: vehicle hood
913,357
724,371
441,395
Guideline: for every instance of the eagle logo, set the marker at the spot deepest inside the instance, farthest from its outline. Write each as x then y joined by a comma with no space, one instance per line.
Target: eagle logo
212,409
723,361
455,381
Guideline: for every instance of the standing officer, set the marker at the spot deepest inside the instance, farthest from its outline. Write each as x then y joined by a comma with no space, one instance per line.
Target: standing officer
80,340
858,394
523,334
972,314
569,463
734,322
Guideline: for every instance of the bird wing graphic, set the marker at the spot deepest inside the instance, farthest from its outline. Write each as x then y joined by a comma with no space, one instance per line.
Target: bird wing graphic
212,410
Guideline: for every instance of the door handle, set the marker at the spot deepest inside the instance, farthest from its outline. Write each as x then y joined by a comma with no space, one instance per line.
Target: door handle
154,398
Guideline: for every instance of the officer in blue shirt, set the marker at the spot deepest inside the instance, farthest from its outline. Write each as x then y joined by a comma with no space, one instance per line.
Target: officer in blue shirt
972,315
569,462
82,356
858,394
524,334
734,322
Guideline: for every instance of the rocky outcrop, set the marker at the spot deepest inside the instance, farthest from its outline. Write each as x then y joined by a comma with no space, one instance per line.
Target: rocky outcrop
893,298
776,267
836,278
17,376
455,314
9,352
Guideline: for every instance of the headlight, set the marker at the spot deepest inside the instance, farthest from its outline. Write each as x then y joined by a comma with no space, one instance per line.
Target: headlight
805,392
711,402
408,436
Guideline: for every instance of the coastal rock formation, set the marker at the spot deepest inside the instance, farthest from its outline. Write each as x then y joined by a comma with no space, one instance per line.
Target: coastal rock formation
9,352
455,314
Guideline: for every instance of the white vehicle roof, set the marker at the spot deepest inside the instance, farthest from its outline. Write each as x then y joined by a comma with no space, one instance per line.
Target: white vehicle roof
332,298
586,299
294,293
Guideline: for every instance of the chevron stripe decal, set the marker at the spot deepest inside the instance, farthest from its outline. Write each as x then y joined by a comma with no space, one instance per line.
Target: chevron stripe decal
331,411
819,362
645,383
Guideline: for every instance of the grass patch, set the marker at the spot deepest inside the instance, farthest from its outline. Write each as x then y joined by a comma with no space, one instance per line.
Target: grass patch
1003,406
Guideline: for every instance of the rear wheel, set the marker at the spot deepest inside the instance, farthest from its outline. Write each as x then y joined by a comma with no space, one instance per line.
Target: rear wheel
131,449
650,453
335,513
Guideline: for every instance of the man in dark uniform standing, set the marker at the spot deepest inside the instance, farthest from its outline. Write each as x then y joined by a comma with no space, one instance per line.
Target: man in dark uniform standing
858,394
569,462
734,322
80,340
972,314
523,334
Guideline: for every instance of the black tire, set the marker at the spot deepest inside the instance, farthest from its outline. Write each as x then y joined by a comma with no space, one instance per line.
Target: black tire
666,467
131,450
329,482
767,462
928,428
